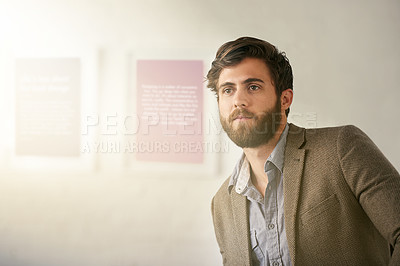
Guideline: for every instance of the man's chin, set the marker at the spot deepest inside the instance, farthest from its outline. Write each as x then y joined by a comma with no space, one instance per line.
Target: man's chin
248,143
241,125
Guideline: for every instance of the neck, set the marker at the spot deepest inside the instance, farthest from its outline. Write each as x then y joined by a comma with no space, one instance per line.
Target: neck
257,158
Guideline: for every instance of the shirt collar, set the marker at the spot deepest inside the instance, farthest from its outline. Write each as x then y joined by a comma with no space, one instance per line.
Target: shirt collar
240,178
277,156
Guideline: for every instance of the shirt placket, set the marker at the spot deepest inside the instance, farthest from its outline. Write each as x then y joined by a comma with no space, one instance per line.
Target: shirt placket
271,220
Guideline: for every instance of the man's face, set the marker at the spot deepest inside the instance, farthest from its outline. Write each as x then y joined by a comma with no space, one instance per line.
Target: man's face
249,109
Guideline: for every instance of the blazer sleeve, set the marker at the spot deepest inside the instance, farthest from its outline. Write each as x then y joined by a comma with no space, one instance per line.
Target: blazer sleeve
374,182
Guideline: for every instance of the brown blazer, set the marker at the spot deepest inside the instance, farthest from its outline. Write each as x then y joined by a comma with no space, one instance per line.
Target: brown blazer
342,203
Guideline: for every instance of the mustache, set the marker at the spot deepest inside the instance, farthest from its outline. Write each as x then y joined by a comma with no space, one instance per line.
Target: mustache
240,112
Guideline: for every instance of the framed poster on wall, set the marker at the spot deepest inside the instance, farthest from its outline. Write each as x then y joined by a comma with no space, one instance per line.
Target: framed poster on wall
48,107
48,97
169,105
170,122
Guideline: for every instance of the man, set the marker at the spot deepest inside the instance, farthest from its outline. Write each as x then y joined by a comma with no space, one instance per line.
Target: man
297,196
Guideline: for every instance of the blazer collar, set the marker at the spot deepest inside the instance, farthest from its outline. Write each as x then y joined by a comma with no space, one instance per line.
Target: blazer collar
292,175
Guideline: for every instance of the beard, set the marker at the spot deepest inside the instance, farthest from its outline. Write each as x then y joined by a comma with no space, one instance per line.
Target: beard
260,129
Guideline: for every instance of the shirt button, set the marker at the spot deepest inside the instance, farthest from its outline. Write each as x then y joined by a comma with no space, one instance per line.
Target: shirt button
275,263
272,226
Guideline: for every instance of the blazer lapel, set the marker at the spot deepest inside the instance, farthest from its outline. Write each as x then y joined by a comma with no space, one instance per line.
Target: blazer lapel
242,226
292,174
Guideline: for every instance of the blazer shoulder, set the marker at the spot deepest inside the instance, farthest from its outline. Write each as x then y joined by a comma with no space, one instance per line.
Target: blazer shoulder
339,134
332,134
326,138
223,191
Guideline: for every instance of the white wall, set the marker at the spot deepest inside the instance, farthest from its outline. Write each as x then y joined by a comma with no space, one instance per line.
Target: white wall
345,58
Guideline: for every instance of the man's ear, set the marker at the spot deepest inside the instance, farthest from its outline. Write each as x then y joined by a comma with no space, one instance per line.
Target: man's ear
286,99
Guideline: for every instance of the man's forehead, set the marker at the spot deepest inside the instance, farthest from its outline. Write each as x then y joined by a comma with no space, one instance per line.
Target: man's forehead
249,69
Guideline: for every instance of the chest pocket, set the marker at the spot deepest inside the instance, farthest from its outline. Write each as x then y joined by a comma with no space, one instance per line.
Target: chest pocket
257,255
328,204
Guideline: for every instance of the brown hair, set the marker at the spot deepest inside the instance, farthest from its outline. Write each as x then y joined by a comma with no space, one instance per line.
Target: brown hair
233,52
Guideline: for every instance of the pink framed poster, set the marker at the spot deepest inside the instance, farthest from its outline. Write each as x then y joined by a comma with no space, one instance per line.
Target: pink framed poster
169,107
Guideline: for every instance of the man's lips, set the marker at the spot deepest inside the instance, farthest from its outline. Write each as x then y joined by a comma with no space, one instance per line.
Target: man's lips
241,117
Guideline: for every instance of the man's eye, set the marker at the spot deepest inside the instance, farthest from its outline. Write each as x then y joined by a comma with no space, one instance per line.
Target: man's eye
227,91
254,87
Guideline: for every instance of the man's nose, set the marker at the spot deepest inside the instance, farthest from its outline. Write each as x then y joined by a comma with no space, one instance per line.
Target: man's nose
241,99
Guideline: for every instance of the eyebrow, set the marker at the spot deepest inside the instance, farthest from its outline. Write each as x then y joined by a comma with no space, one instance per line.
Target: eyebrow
250,80
247,81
